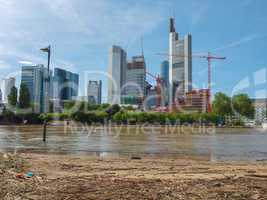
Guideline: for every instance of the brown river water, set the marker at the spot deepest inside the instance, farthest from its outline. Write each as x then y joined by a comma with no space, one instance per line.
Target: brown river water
217,145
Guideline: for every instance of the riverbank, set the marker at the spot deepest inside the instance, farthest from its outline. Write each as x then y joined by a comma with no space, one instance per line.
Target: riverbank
73,124
94,177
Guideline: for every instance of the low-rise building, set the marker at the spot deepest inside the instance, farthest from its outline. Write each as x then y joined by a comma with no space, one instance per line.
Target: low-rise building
196,101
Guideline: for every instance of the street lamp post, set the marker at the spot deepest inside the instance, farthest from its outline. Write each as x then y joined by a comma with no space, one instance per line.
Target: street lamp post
47,81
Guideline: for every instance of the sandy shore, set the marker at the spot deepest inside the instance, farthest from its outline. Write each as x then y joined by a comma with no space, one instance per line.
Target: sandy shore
91,177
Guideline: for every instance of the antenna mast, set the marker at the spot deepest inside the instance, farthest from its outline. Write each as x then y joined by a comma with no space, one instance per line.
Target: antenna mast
142,45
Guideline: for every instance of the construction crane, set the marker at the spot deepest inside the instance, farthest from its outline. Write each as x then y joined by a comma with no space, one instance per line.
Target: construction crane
158,87
209,58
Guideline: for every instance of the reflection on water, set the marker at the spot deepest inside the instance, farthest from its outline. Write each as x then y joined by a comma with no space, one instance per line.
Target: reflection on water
226,144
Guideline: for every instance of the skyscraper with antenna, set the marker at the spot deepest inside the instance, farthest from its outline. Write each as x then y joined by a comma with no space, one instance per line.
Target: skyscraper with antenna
134,90
142,46
180,64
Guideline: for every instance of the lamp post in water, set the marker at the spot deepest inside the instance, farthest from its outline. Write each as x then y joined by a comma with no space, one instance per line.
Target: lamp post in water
47,81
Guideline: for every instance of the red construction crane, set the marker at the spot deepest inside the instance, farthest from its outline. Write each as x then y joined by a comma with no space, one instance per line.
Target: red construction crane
158,87
209,58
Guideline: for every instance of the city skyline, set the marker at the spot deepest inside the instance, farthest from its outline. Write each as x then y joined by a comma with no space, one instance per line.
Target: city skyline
123,99
85,46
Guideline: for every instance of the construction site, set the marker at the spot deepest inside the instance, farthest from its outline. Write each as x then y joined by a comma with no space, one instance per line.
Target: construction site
179,84
173,91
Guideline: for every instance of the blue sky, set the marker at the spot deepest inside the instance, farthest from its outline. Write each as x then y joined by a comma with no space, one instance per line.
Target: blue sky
81,31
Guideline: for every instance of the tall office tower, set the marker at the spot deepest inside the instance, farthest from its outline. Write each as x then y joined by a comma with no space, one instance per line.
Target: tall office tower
34,78
180,64
1,100
65,85
164,75
94,92
6,85
117,72
135,80
164,71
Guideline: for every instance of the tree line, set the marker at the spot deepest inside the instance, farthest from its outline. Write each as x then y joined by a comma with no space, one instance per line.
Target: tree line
223,107
239,105
24,101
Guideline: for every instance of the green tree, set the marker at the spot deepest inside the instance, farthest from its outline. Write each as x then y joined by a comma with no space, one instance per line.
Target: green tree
68,105
104,106
13,96
243,105
113,109
24,97
222,105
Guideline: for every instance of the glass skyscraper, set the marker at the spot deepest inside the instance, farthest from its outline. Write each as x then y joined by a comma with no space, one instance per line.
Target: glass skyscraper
164,75
65,84
34,78
164,71
117,71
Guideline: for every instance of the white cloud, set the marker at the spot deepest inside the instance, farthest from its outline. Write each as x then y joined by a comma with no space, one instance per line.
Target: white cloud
80,21
4,65
244,40
23,62
71,25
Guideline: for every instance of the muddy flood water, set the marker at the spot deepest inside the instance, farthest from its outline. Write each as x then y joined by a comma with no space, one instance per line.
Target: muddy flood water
221,145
